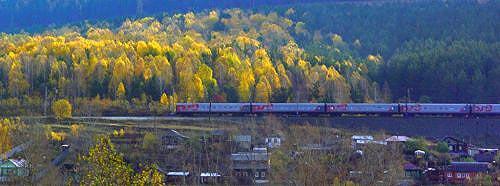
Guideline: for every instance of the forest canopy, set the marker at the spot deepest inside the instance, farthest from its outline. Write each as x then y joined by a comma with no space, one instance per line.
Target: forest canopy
322,52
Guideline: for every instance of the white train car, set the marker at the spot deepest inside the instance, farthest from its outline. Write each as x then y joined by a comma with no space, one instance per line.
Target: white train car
230,108
485,109
290,108
362,108
216,108
303,108
435,108
274,108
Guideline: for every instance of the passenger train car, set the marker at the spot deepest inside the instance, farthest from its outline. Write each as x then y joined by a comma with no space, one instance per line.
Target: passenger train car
338,109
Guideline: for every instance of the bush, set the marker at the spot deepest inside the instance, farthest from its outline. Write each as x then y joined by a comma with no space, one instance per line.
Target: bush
62,109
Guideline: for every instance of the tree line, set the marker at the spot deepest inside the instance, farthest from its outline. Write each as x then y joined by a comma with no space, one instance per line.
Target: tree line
237,55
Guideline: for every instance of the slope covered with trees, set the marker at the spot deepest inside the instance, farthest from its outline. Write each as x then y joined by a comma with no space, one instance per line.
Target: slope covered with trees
315,53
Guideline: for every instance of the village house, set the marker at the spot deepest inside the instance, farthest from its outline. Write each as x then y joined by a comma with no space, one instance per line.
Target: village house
242,143
273,141
483,154
12,168
461,172
251,167
172,139
457,147
475,150
218,136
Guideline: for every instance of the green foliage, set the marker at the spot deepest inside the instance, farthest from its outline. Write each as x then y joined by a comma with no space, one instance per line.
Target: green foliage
442,147
497,160
416,144
443,71
150,141
467,159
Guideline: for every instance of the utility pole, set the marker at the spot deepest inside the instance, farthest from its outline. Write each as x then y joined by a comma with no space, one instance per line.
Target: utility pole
407,100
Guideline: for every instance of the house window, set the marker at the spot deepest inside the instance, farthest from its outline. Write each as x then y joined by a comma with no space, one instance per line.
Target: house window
467,175
262,174
449,175
256,174
459,175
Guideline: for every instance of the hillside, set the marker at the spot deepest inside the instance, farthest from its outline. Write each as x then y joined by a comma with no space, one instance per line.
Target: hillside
323,52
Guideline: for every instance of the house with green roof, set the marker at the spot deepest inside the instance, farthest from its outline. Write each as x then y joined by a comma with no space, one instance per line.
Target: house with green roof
12,168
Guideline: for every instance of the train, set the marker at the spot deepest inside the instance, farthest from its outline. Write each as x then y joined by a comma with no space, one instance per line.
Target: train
338,109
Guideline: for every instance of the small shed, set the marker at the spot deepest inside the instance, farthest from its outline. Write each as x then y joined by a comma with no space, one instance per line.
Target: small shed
273,141
411,170
419,153
210,178
177,177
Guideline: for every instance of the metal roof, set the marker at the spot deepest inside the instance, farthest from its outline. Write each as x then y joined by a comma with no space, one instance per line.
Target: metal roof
178,174
355,137
18,162
243,138
210,174
174,133
398,138
250,156
468,167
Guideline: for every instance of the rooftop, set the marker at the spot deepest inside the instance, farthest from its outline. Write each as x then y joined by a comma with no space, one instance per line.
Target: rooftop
355,137
243,138
397,139
174,133
178,174
410,166
210,174
16,162
218,132
468,167
250,156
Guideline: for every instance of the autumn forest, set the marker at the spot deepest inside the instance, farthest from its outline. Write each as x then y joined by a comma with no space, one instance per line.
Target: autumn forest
324,52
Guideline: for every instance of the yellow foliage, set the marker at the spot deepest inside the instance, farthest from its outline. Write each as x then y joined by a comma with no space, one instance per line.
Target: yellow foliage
263,91
62,109
115,133
17,82
164,100
337,39
120,91
57,136
5,138
373,58
75,130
